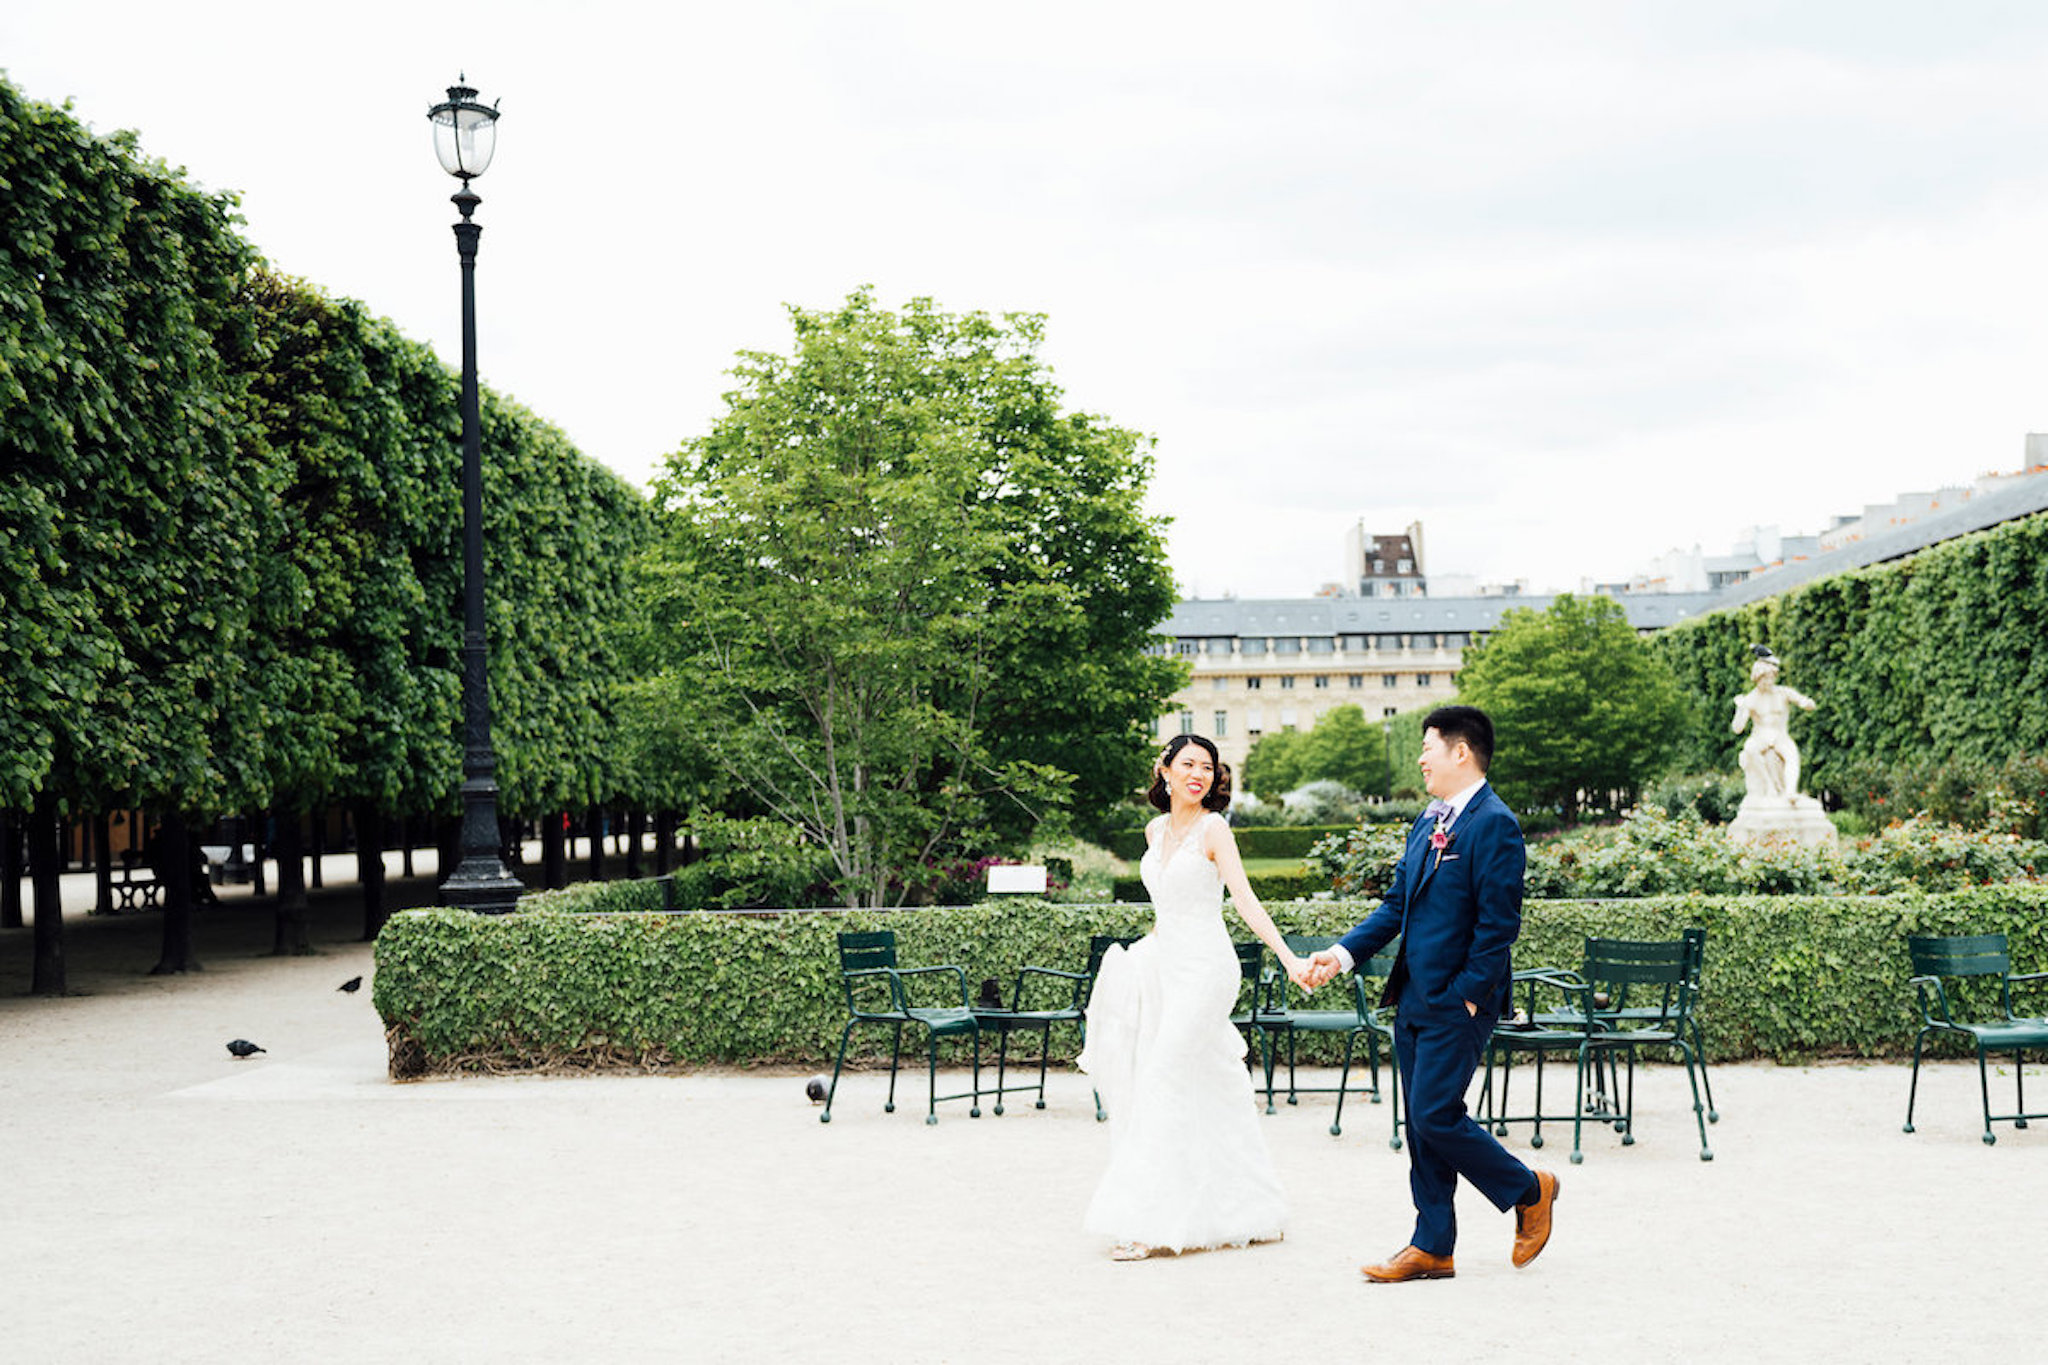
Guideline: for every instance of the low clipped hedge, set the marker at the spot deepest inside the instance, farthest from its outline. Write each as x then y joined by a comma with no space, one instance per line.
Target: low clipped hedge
1788,977
1267,886
1253,841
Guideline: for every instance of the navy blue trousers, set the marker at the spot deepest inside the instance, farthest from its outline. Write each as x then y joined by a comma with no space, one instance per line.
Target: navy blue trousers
1438,1052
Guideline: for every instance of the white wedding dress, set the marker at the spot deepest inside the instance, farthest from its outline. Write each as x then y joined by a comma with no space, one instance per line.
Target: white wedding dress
1188,1166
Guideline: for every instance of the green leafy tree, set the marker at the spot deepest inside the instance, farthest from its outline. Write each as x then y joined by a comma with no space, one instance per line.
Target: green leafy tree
1583,711
1343,746
132,508
908,595
1274,765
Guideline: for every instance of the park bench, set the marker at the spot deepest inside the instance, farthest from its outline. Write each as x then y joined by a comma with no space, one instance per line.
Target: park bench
135,878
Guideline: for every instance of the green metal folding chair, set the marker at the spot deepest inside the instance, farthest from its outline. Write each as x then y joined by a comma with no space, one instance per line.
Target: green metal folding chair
1285,1013
867,965
1937,960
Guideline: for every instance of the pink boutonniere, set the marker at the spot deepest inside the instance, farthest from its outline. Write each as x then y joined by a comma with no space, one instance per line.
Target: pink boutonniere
1440,839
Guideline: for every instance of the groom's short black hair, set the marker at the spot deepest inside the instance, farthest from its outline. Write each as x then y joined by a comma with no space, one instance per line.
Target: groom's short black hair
1469,723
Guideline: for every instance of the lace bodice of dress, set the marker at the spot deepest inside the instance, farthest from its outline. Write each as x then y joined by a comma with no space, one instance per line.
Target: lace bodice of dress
1180,878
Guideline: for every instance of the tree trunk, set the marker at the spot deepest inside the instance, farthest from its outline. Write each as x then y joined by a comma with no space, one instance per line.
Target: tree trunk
12,867
554,862
593,828
636,826
370,867
259,849
447,846
319,823
291,938
102,864
174,870
664,841
45,867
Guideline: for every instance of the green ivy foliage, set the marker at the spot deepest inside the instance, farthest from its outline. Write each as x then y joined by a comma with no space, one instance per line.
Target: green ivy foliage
1787,977
1932,659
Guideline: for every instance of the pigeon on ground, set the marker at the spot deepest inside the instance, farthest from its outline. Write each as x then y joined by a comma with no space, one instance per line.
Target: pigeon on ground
243,1048
352,985
814,1089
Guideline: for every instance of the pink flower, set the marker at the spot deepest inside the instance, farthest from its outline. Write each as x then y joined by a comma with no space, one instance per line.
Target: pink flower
1440,840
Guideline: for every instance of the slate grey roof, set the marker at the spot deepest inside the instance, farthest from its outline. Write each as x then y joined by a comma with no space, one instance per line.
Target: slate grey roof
2021,497
1259,618
1267,617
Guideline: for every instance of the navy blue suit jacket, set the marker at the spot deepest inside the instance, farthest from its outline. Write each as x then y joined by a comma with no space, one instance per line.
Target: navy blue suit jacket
1457,913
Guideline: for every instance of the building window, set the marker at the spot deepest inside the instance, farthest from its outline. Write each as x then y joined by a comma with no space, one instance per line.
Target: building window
1322,680
1407,566
1322,644
1422,679
1289,645
1222,724
1253,684
1252,647
1357,680
1218,684
1184,647
1288,718
1287,684
1389,680
1187,722
1390,710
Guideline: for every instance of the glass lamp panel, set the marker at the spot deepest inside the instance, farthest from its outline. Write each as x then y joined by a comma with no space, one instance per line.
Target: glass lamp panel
464,139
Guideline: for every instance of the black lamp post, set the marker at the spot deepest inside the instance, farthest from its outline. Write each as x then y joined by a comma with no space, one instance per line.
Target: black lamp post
465,135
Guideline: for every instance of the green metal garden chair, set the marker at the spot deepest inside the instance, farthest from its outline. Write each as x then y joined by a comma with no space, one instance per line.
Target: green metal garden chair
1627,995
1547,1022
1071,990
1376,1025
1939,959
868,969
1254,982
1285,1013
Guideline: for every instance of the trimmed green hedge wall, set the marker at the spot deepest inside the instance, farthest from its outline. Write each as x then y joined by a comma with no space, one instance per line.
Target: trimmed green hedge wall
1267,886
1937,656
1788,977
1253,841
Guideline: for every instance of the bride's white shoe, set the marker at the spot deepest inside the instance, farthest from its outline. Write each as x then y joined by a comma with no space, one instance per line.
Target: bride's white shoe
1130,1251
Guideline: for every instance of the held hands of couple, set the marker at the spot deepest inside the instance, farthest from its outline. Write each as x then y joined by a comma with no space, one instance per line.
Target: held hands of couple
1321,967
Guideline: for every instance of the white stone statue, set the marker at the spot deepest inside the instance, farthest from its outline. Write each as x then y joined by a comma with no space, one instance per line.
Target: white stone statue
1772,808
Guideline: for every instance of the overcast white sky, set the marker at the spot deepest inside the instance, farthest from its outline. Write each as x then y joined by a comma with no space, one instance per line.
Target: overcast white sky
1573,282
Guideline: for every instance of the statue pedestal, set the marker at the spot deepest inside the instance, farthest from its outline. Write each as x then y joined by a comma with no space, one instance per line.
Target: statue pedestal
1781,820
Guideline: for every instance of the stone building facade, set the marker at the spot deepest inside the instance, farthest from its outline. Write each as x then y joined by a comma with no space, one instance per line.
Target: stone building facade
1278,664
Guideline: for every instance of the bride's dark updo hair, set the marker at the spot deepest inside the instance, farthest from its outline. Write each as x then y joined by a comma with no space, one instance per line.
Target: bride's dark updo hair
1218,795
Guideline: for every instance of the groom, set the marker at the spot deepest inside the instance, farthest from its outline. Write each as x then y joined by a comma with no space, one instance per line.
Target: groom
1456,902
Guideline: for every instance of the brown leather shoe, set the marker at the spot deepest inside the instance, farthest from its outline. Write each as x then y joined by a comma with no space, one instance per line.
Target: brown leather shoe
1532,1221
1409,1263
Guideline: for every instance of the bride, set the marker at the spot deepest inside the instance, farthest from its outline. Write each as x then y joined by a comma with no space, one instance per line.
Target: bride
1188,1166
